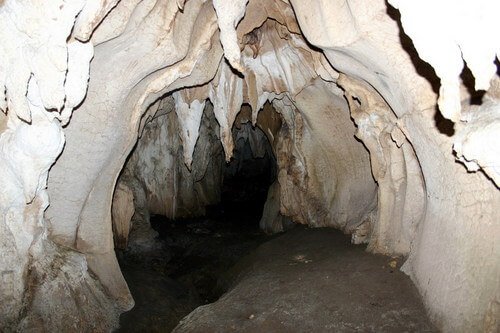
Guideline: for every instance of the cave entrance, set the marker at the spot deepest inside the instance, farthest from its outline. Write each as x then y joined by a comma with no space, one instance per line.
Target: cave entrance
204,248
248,175
190,263
207,221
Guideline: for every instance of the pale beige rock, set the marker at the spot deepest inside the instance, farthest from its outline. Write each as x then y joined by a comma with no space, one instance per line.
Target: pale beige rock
91,15
229,14
42,71
226,94
391,232
477,144
122,211
446,223
156,172
444,45
401,190
272,221
189,115
81,194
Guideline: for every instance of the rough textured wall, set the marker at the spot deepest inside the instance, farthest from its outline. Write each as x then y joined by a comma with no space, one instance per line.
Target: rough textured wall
160,181
105,128
281,67
461,209
44,61
323,182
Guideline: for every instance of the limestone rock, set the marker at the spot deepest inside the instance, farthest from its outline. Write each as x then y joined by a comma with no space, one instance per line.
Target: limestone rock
84,82
477,144
122,210
228,16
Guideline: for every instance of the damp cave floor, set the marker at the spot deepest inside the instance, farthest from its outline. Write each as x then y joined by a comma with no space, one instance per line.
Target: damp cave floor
218,274
313,280
305,280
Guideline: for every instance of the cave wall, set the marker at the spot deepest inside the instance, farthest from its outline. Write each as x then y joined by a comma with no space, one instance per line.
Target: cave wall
81,193
323,182
444,253
42,72
159,180
437,196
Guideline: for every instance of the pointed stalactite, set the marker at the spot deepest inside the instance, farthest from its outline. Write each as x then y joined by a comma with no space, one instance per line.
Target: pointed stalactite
189,115
253,94
229,14
447,46
38,48
226,94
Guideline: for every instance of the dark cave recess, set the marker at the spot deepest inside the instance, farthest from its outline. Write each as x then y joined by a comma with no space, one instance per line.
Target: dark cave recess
196,254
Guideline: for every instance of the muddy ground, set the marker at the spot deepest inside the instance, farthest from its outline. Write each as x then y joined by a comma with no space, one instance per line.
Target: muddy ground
313,280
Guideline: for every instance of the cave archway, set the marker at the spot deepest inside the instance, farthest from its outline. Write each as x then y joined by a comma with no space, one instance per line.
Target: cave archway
174,253
250,172
214,208
333,70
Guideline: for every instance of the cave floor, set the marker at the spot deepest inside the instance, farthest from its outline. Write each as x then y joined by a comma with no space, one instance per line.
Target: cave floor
189,267
313,280
187,271
305,280
220,273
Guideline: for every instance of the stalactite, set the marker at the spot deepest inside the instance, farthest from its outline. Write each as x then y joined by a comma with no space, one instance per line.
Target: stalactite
198,62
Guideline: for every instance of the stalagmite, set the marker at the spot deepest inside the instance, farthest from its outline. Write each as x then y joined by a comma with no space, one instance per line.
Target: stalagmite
122,212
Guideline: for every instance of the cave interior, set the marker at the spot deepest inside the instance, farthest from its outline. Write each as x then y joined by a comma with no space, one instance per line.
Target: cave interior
249,165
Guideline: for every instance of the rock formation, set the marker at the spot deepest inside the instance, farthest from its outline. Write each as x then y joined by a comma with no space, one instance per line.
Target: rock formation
376,125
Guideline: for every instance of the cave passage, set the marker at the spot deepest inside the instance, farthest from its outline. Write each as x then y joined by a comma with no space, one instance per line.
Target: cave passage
247,177
206,268
367,130
190,264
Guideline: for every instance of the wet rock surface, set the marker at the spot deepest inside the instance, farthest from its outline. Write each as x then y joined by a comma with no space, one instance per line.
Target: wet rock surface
313,280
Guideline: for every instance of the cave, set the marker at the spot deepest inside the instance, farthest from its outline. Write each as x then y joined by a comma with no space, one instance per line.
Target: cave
357,144
177,259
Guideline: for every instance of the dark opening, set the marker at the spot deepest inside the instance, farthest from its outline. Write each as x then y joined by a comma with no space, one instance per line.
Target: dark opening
192,267
203,248
248,176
